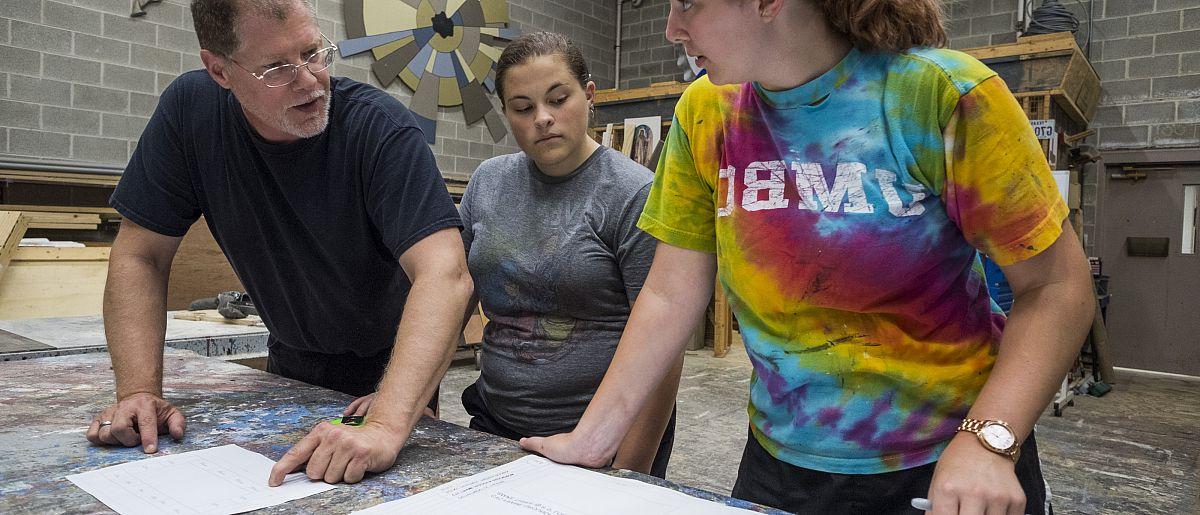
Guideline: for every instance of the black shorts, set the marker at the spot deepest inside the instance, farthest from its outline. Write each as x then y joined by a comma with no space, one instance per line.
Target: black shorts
482,420
766,480
346,373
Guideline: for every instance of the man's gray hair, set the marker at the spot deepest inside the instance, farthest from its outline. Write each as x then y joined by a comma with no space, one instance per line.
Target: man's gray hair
216,21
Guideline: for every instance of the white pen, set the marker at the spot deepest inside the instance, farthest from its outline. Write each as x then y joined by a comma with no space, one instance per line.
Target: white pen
922,504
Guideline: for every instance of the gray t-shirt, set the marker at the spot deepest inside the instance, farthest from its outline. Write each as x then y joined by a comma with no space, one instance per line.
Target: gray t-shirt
557,264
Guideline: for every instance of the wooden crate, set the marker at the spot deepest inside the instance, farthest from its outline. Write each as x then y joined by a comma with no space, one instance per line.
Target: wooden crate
1047,64
1052,80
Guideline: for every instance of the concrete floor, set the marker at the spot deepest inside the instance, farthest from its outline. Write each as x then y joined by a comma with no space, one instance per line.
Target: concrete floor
1135,450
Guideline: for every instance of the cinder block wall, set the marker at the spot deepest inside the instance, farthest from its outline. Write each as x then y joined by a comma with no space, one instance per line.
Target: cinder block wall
80,78
1147,53
646,55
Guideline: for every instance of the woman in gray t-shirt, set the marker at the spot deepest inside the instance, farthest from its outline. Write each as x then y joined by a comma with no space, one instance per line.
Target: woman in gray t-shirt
557,258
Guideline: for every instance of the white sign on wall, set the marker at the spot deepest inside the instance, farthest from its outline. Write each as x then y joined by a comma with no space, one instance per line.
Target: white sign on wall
1044,129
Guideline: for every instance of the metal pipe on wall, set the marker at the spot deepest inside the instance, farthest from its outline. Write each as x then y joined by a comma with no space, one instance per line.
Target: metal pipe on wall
48,165
617,47
1022,5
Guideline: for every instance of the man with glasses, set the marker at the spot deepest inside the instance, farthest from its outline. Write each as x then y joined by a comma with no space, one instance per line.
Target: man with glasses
326,199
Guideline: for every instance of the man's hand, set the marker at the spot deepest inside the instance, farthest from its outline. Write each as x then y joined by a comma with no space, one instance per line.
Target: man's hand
139,418
337,453
361,405
970,480
569,448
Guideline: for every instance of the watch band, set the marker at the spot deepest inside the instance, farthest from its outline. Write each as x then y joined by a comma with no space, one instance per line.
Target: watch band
976,426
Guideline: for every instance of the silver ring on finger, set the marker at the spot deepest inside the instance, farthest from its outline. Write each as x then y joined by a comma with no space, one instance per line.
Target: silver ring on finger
106,423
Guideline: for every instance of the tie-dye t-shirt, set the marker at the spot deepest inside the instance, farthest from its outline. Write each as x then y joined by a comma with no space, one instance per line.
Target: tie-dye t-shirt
847,215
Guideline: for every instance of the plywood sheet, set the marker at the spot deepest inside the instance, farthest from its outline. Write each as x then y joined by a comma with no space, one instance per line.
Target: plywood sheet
35,289
200,269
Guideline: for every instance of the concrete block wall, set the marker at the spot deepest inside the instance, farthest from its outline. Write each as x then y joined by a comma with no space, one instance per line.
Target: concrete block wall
80,78
1147,53
646,55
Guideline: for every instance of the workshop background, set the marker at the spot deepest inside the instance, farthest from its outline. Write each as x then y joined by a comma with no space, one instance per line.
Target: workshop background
1120,98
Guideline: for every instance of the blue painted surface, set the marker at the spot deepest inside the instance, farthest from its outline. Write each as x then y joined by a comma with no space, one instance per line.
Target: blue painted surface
997,284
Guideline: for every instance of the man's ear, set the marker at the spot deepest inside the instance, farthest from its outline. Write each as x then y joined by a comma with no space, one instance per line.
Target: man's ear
216,66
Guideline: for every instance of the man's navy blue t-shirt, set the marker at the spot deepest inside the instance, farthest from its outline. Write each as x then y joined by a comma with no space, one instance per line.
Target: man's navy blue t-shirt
314,229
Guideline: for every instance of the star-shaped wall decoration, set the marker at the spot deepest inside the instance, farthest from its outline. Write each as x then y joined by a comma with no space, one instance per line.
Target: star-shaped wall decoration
445,51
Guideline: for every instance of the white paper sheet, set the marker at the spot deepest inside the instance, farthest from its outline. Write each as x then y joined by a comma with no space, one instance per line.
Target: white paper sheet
220,480
535,485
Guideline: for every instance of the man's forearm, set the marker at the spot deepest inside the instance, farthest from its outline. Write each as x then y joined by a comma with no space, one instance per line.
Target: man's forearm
425,342
135,299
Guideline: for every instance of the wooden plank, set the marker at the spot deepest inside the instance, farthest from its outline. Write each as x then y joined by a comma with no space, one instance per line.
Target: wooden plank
722,322
63,218
47,225
199,270
1103,356
211,315
102,211
12,229
61,254
38,289
473,331
456,189
1024,46
608,96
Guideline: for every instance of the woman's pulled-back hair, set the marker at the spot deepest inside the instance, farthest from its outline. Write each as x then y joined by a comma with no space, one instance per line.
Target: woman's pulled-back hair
537,44
892,25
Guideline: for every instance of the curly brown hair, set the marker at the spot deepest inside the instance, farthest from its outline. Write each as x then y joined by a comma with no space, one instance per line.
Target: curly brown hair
892,25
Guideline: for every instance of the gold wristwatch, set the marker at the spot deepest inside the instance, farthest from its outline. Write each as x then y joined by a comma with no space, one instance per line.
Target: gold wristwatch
995,435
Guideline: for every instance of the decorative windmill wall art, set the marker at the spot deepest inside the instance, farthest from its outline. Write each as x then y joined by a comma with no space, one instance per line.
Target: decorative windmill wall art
445,51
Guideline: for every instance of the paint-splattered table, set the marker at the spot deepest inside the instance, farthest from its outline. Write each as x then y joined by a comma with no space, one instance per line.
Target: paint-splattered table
46,403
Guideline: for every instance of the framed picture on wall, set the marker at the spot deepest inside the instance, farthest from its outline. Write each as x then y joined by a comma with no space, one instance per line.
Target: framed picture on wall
641,138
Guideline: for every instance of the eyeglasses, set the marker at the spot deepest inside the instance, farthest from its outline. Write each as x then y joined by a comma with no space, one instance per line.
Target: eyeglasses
283,75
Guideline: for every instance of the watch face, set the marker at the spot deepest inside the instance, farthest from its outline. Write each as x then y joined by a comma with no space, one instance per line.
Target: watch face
998,436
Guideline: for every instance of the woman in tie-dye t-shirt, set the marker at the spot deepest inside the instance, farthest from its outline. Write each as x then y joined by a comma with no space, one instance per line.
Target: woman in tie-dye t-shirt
840,176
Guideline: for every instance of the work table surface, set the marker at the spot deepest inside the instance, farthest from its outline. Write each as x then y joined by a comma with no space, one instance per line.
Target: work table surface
43,337
47,403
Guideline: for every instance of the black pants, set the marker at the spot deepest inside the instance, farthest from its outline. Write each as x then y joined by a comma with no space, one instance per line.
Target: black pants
482,420
769,481
346,373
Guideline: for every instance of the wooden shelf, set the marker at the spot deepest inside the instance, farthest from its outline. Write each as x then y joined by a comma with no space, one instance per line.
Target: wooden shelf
652,92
